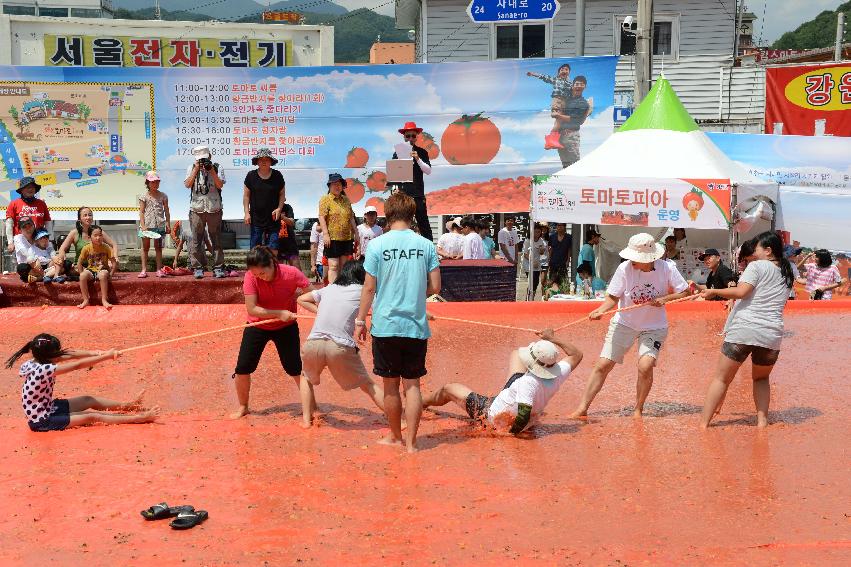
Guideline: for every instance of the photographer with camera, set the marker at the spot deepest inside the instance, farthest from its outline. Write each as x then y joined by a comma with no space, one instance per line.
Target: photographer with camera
205,180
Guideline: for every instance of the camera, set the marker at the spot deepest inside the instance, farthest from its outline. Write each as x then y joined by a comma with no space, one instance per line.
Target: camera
629,24
206,163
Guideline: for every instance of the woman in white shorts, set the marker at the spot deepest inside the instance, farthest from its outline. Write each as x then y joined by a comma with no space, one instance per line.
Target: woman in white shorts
331,344
644,279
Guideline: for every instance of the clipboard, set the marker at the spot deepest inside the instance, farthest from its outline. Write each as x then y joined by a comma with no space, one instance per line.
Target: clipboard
400,170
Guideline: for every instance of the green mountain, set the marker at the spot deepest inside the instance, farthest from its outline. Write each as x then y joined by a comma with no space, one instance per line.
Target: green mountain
354,32
148,14
818,32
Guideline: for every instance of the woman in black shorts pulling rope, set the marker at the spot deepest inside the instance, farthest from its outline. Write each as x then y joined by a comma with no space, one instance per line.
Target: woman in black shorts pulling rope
754,327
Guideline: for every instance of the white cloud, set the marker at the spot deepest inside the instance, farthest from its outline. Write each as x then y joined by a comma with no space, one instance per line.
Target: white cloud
166,133
411,92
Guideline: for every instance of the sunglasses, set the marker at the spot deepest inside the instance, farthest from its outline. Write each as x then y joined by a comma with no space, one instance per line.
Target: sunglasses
412,135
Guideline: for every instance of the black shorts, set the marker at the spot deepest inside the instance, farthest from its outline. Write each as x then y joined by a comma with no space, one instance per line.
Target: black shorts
399,357
287,247
340,248
478,405
760,356
57,421
254,341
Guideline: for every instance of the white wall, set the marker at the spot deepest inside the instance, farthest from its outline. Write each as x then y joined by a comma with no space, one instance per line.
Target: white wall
22,37
704,57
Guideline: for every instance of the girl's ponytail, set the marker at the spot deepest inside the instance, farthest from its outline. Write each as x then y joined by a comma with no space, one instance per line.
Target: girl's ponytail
21,352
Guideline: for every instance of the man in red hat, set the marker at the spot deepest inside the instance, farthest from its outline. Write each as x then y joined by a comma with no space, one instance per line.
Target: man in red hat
416,189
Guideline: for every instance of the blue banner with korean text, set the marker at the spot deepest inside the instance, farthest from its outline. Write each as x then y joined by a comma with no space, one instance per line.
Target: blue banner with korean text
89,134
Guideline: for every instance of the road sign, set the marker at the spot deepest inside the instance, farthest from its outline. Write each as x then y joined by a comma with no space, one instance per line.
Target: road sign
486,11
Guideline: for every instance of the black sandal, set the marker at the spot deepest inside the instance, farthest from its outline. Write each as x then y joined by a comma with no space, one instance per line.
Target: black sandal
162,511
189,519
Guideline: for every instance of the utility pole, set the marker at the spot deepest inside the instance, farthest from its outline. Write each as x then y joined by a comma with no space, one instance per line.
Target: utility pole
840,34
740,8
643,50
580,28
157,14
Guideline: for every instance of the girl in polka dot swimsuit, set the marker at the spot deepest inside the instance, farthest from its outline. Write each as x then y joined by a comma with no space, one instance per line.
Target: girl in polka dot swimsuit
47,414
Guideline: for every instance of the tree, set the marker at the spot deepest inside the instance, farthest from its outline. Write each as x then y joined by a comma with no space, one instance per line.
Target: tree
818,32
84,111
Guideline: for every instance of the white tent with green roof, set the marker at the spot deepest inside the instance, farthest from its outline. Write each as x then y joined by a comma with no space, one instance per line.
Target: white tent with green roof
659,147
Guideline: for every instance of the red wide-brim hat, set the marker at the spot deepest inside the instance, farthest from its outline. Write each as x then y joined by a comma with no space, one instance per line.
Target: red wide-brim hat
410,126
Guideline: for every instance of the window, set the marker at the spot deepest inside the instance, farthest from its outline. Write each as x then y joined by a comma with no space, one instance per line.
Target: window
19,10
665,37
85,13
517,41
53,12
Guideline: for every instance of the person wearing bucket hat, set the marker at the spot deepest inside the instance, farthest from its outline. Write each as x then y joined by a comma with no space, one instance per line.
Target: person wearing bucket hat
205,180
337,219
644,279
263,197
27,205
535,376
416,188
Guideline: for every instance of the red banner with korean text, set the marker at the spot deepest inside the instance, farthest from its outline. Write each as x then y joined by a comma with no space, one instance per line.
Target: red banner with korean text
808,100
687,203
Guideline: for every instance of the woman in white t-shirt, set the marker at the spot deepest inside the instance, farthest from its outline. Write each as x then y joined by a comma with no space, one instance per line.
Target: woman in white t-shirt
754,327
645,279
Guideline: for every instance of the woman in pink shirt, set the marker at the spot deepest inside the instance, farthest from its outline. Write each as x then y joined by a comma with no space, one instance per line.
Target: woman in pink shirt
271,290
822,277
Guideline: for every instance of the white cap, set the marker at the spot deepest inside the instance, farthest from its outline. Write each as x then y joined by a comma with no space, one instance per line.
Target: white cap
643,248
199,152
540,357
370,209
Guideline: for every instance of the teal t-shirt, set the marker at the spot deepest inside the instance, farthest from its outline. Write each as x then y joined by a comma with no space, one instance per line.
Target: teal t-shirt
400,262
596,284
586,254
488,244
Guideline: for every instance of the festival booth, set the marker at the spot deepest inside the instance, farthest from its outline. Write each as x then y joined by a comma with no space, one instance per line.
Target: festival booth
658,171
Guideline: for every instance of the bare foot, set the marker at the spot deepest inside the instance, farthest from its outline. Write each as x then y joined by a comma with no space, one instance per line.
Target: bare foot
390,440
83,305
306,424
704,426
106,304
761,421
412,448
578,414
242,411
637,413
148,416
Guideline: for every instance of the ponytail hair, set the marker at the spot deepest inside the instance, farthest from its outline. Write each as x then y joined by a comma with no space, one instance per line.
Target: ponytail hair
44,348
771,241
261,257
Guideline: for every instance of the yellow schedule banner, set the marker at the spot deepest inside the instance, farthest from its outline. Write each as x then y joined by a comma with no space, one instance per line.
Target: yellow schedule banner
123,51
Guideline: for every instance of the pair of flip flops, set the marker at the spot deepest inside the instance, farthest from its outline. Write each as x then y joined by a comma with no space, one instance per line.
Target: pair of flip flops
185,517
